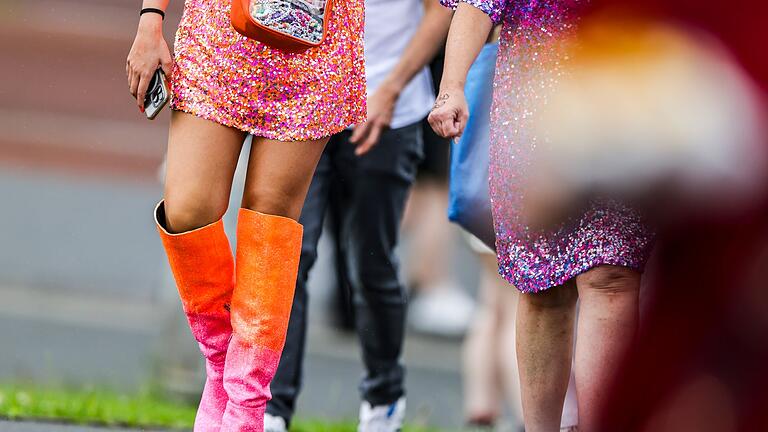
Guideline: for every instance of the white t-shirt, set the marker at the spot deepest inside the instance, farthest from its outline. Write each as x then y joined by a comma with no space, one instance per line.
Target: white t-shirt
389,27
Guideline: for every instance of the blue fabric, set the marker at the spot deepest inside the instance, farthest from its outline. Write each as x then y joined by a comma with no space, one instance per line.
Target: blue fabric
469,203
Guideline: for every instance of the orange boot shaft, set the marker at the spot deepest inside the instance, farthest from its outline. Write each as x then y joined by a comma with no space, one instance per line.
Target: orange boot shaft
202,264
268,251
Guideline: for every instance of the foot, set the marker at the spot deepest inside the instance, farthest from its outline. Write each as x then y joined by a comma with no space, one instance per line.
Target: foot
274,424
382,418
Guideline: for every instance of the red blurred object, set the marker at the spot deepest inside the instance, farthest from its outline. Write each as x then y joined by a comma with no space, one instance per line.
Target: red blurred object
708,314
706,318
739,24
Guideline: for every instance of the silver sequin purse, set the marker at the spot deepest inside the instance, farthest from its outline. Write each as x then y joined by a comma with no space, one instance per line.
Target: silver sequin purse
291,25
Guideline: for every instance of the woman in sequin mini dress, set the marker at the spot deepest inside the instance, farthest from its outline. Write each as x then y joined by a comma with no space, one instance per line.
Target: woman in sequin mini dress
225,86
597,257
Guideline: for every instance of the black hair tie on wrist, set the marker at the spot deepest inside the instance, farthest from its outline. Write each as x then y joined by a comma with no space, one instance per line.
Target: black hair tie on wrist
152,10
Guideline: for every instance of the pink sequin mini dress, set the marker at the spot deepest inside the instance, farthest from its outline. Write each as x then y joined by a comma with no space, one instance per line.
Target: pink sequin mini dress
606,233
235,81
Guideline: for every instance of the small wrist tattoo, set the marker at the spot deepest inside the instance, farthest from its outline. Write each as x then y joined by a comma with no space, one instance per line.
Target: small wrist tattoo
441,100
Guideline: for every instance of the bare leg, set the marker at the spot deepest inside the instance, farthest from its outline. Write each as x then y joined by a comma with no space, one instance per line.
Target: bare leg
431,234
201,160
507,351
202,157
481,349
544,351
279,175
267,260
608,318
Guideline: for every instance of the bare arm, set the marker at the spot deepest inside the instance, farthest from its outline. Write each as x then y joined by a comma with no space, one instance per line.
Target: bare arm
149,51
428,39
421,49
469,31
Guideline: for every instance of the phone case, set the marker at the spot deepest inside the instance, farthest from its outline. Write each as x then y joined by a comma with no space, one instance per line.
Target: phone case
157,95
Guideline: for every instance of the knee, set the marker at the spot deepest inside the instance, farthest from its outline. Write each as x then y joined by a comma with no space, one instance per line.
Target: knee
609,280
274,201
559,297
189,211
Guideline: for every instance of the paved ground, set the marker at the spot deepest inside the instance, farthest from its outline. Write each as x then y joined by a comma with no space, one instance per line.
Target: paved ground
7,426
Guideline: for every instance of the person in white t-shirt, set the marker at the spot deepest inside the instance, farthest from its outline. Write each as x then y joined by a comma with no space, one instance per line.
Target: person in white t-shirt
370,168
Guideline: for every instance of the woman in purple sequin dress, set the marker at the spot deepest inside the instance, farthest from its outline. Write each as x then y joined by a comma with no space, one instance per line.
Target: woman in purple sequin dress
597,257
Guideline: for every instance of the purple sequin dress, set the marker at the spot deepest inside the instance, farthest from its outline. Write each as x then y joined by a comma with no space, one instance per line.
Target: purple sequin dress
529,61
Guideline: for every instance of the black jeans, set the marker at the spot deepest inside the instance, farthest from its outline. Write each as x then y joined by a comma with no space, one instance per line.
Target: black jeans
369,195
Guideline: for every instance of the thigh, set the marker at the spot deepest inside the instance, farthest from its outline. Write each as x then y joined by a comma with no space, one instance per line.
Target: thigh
201,161
279,175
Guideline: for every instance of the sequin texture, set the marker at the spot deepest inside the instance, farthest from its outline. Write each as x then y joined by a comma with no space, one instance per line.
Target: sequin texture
224,77
531,51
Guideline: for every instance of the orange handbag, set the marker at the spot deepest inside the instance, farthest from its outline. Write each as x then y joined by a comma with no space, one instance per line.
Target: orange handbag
290,25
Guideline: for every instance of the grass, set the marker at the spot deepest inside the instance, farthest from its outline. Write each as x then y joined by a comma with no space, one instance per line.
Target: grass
94,406
105,407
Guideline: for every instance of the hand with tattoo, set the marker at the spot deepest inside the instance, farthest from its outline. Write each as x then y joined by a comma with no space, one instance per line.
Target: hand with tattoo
449,114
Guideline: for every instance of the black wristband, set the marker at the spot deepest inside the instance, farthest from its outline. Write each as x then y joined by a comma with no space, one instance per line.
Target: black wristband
152,10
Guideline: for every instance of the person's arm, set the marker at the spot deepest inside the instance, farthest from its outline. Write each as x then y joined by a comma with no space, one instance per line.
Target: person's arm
469,31
149,51
421,49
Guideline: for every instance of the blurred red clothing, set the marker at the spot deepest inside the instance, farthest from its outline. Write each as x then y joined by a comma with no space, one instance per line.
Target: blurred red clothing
706,319
739,24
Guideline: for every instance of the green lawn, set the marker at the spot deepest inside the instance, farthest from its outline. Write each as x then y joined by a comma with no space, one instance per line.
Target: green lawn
101,406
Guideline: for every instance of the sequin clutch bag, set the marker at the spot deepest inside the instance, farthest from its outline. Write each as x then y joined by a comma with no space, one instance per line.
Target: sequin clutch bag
290,25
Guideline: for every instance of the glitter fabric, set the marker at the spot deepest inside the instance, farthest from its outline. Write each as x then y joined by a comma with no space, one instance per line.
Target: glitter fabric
225,77
531,51
204,269
297,18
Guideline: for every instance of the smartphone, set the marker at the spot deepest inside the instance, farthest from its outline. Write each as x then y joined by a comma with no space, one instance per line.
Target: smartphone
157,95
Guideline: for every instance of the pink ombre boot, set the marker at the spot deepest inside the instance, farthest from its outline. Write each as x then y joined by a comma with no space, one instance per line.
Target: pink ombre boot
268,250
202,264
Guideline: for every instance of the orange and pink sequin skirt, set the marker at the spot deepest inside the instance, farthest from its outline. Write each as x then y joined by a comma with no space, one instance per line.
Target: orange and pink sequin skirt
224,77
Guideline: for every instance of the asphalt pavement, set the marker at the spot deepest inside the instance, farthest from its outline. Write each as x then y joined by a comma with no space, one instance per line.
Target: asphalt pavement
10,426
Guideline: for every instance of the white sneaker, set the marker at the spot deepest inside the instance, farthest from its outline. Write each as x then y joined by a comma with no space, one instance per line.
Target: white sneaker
444,310
274,424
382,418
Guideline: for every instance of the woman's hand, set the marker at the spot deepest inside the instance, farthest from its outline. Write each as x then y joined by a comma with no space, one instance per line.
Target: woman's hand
450,113
149,51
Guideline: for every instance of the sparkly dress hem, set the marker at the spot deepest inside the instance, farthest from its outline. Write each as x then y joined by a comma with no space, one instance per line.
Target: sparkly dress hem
268,133
528,286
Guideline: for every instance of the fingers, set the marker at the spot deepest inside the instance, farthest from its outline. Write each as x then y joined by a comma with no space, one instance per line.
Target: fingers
371,140
129,72
134,82
434,123
461,123
166,63
443,123
360,131
141,90
450,128
449,123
